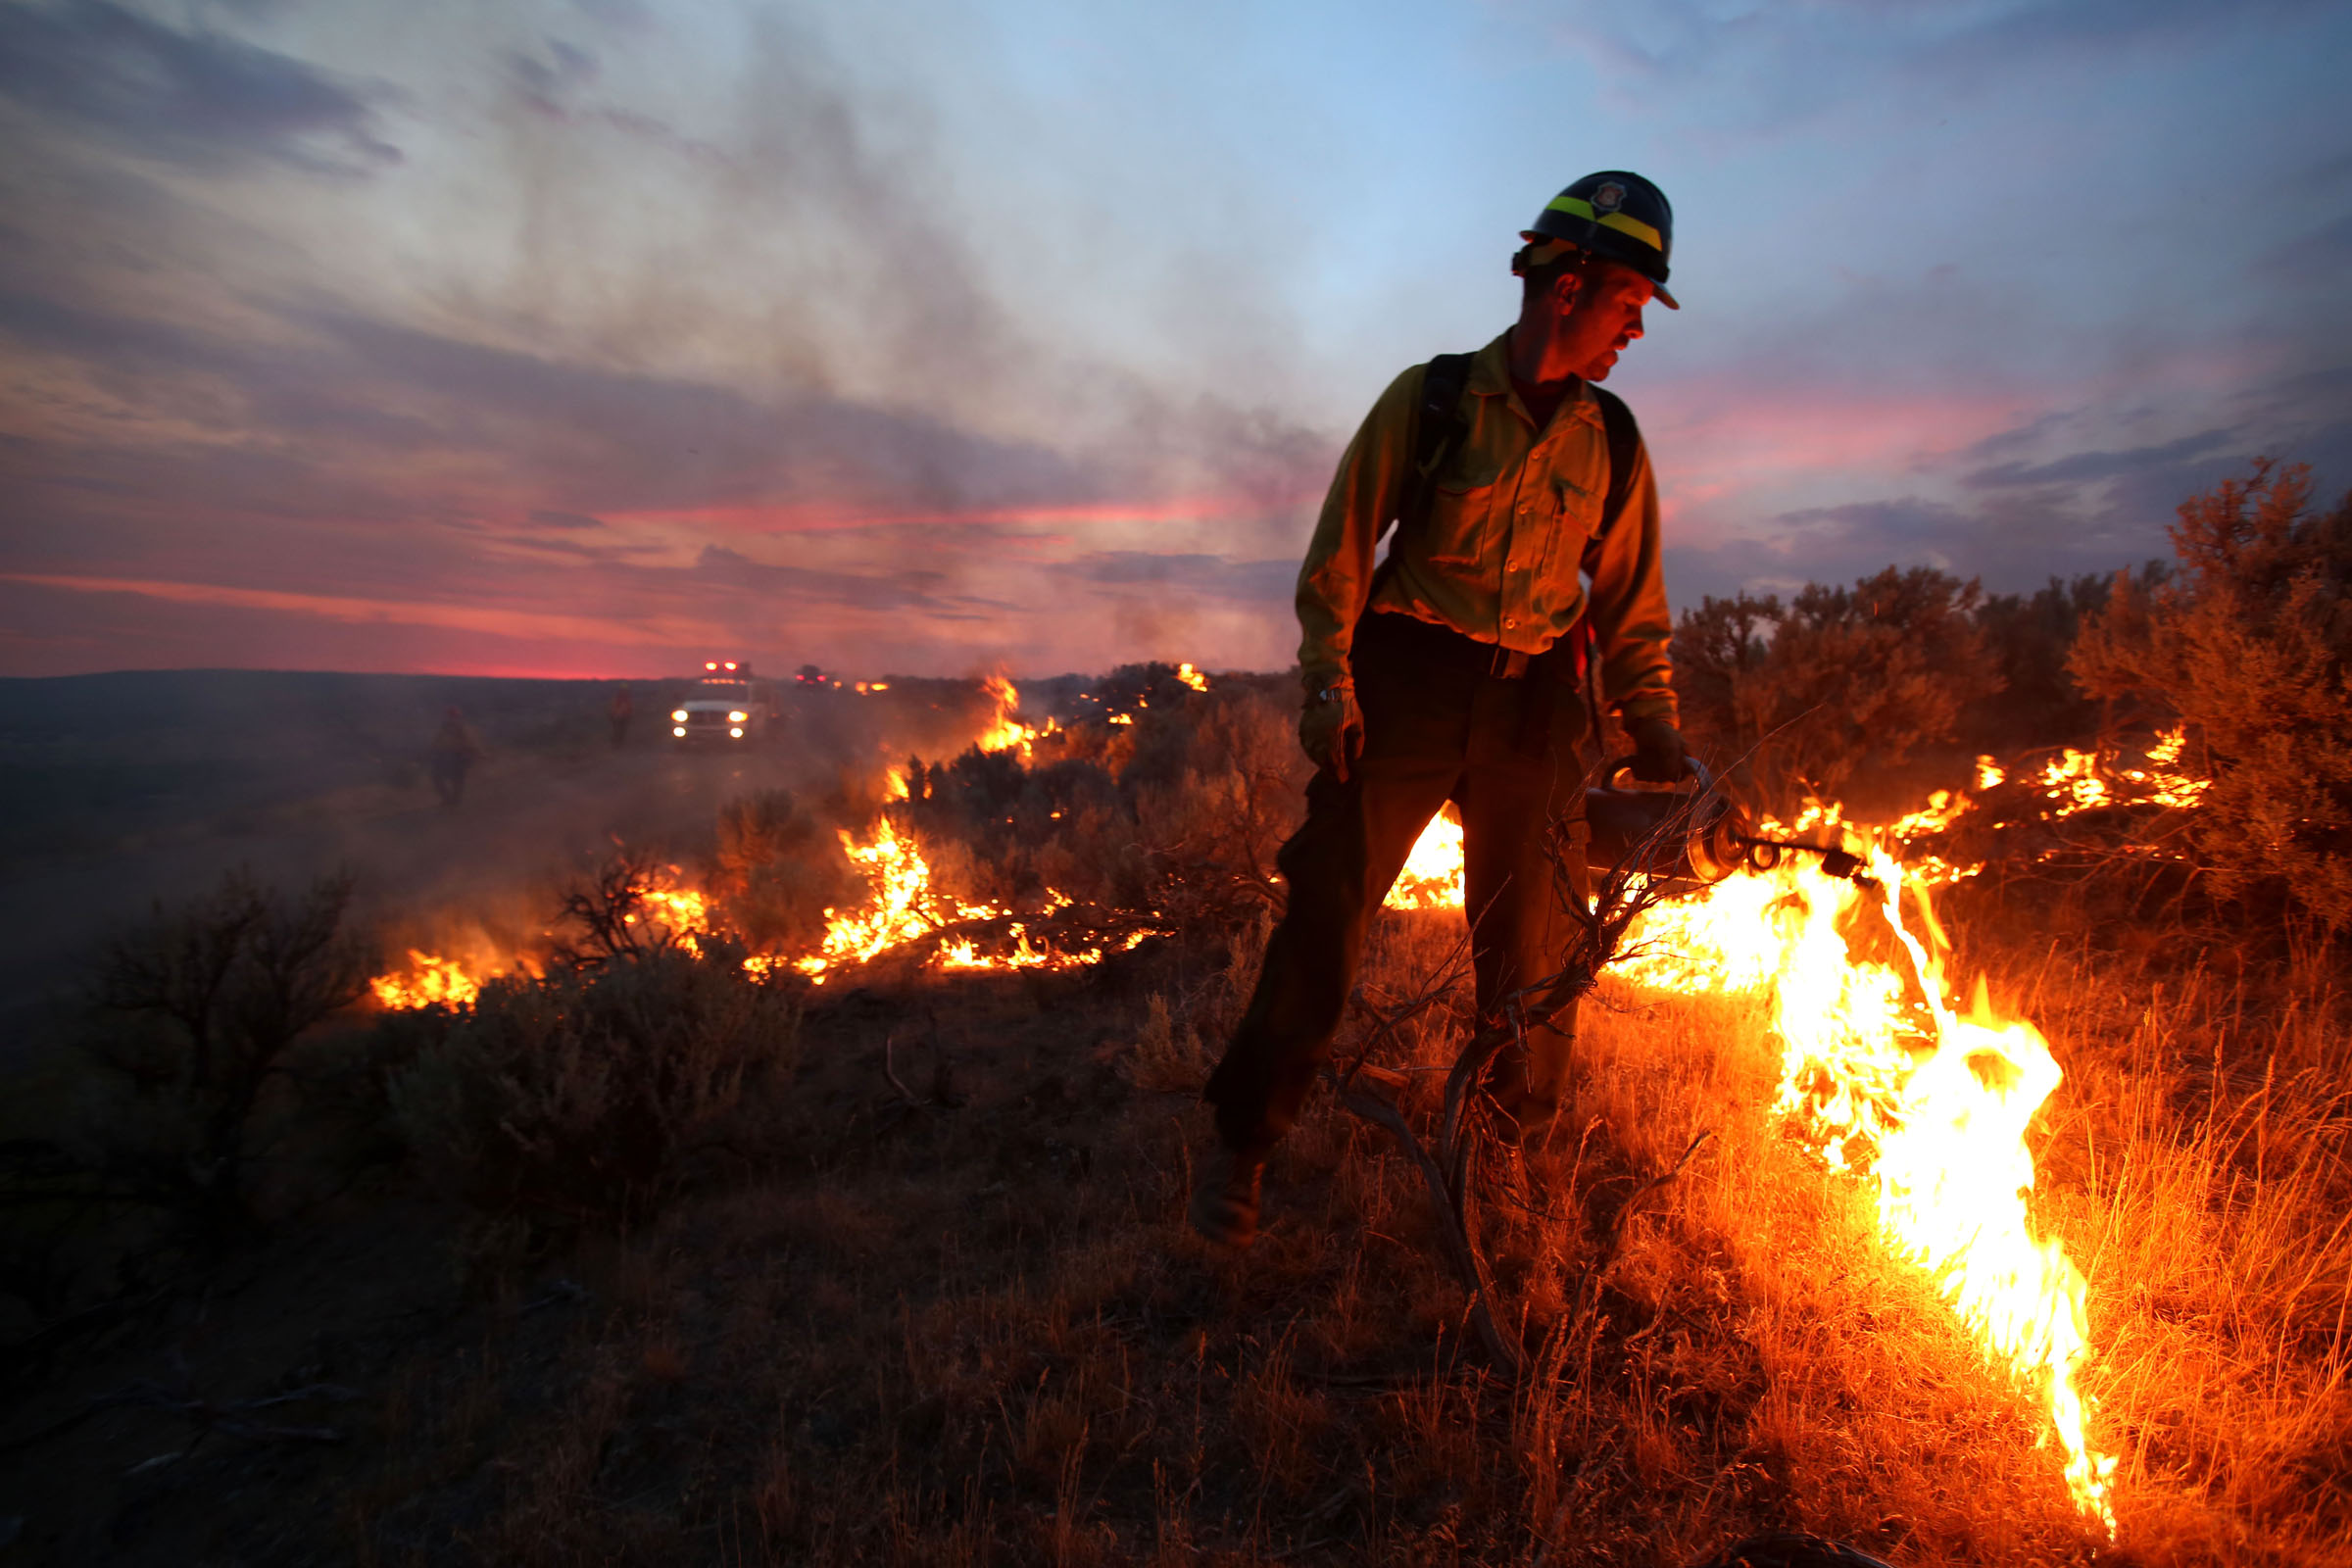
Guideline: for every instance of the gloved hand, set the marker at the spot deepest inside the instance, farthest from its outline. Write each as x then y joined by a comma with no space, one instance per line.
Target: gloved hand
1332,729
1659,756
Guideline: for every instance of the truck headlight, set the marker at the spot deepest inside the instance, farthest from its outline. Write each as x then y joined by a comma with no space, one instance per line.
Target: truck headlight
678,718
679,731
737,732
737,717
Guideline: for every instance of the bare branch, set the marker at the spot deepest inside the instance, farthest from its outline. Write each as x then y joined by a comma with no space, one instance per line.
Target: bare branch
1379,1111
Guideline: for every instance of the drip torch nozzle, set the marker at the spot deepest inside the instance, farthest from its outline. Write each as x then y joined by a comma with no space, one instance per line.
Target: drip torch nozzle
1764,854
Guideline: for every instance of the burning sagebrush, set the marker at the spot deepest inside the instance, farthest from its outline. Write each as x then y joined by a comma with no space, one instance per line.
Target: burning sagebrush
987,810
1889,1080
1886,1075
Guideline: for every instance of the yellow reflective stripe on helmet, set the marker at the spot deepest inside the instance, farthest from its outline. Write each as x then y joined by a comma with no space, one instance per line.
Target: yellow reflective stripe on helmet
1577,207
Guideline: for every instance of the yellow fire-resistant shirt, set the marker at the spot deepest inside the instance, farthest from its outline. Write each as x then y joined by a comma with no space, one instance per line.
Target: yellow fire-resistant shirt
1512,522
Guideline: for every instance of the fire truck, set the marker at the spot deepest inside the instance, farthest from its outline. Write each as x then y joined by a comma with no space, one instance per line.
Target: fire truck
725,707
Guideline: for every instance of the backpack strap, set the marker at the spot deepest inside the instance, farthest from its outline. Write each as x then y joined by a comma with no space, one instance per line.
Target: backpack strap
1436,426
1622,437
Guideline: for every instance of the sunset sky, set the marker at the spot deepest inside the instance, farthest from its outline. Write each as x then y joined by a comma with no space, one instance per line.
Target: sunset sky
923,336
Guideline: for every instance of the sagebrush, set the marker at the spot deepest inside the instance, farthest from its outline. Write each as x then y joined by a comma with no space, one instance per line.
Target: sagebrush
591,1095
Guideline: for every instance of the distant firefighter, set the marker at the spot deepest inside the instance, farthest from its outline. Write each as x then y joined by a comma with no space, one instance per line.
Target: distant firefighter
621,710
453,752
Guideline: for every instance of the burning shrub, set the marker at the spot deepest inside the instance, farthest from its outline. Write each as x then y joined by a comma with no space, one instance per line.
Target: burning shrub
1215,799
593,1094
2249,646
1178,811
195,1012
626,910
980,814
1844,678
779,868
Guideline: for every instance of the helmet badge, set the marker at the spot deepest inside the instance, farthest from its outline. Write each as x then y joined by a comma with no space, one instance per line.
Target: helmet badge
1609,197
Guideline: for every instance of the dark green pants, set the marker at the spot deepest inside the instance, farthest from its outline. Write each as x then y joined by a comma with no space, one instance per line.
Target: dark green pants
1439,727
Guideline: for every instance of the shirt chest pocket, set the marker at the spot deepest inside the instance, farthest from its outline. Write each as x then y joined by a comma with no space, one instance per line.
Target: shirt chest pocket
1574,508
1462,511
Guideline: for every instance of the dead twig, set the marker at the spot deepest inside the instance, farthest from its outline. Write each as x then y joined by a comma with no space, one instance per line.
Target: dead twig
890,1070
944,1093
1379,1111
1625,1210
943,1096
1442,983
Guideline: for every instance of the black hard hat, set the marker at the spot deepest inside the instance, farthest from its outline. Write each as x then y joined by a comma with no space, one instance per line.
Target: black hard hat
1613,213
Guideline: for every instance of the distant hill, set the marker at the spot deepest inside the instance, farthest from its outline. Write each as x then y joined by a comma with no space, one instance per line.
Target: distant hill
90,761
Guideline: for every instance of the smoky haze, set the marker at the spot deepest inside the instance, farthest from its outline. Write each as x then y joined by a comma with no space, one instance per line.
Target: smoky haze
517,373
122,792
553,338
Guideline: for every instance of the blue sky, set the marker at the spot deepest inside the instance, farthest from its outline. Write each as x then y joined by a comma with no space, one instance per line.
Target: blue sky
601,336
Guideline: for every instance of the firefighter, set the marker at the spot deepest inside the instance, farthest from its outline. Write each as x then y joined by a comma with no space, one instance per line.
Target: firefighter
621,710
453,752
1452,672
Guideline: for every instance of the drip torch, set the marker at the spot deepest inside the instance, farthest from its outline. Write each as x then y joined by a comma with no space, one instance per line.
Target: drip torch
1695,836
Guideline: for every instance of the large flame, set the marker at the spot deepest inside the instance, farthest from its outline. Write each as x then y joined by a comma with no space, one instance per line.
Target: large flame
1005,732
684,913
900,905
429,981
1883,1075
1432,878
1890,1081
903,907
1886,1077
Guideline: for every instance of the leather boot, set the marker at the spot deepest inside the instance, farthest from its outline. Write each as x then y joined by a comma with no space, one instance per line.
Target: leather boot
1225,1197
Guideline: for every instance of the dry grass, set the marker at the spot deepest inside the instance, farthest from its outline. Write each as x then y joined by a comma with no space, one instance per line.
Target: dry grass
982,1334
591,1093
985,1337
2196,1164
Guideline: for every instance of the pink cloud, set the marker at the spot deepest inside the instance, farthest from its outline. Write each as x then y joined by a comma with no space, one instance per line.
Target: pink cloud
822,516
525,624
1725,437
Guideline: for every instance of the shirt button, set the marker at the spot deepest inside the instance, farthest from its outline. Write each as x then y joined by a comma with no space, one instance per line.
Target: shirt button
1508,621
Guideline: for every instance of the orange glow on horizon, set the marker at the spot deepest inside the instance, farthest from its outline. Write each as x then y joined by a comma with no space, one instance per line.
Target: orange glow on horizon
491,620
822,516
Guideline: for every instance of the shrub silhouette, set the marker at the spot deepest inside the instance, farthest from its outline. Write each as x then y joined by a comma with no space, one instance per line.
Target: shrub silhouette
1811,691
2248,645
2029,637
196,1011
592,1093
1214,800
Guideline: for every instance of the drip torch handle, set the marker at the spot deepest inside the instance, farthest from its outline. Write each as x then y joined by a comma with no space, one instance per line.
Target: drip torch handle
1610,774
